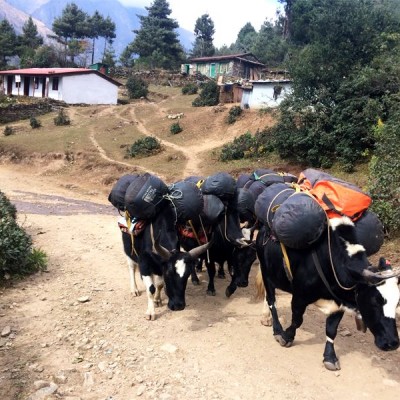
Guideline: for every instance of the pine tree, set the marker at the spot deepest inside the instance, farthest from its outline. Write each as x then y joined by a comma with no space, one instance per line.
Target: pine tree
30,40
204,32
156,42
8,42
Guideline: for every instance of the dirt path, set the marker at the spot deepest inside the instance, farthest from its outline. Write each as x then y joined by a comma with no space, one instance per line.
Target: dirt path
77,334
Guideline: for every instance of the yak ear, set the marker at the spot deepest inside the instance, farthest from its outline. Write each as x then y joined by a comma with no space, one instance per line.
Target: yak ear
384,264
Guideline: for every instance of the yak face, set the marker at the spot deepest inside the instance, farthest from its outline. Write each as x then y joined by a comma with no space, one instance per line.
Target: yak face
176,274
242,260
377,305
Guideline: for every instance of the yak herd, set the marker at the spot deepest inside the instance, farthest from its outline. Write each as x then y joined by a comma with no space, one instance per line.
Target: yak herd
312,235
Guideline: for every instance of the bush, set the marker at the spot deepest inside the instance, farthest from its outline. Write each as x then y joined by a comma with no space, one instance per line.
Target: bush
34,123
175,128
209,95
145,147
61,119
190,88
237,149
8,130
234,113
384,179
137,88
17,257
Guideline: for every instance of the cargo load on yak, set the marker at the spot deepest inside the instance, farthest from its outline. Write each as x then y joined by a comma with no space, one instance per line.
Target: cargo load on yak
370,232
117,194
336,196
268,202
187,200
221,184
269,177
144,195
244,203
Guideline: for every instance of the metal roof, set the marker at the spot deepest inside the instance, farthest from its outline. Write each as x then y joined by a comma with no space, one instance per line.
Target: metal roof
240,57
57,72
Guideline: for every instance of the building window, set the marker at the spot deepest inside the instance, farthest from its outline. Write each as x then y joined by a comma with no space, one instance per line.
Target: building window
55,84
17,84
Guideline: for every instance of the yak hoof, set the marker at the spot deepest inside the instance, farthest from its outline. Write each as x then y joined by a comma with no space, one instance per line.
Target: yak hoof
150,317
282,341
332,365
229,292
195,282
211,292
266,321
135,293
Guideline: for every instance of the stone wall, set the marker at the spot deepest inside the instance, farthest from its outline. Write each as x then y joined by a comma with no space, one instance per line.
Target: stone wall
17,111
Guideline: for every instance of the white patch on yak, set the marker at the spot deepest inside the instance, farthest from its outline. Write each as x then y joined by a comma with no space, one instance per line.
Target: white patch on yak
353,249
390,292
180,267
329,307
335,222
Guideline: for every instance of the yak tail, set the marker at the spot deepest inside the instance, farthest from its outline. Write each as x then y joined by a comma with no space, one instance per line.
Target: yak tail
260,288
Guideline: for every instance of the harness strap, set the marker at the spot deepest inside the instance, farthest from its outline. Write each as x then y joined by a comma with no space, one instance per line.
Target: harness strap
322,275
194,232
286,262
128,224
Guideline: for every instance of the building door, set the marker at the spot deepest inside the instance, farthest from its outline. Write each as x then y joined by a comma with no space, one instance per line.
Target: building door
9,84
212,70
43,87
27,82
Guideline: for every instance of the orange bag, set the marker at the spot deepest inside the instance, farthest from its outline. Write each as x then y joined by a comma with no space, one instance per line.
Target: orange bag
336,197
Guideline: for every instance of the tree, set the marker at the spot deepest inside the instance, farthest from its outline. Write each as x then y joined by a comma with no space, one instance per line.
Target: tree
29,41
156,42
95,23
245,38
108,33
8,42
70,27
204,32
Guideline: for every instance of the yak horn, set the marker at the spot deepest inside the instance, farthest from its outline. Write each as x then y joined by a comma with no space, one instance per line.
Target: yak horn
387,274
164,253
197,251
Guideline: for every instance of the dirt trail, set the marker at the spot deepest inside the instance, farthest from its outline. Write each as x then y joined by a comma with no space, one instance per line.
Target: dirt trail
77,334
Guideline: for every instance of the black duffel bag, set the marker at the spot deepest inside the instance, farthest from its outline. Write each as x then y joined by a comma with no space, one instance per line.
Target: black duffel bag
221,184
370,232
117,194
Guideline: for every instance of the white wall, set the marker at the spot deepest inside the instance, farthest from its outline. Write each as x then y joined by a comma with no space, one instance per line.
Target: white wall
86,89
262,94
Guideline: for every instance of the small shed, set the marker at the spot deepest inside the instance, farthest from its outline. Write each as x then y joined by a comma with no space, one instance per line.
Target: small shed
101,67
72,85
233,67
264,93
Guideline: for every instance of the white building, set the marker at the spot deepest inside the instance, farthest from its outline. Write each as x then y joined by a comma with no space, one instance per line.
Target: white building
264,93
71,85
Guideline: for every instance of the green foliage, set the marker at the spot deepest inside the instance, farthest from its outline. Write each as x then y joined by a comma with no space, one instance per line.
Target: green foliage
190,88
157,42
137,87
209,95
233,114
8,42
8,130
237,149
144,147
384,182
7,209
17,257
62,118
203,32
175,128
34,123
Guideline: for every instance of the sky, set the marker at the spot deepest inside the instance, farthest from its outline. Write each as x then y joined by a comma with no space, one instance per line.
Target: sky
229,16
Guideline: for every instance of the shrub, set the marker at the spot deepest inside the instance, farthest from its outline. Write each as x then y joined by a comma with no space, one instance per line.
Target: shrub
190,88
175,128
137,87
8,130
145,147
384,179
234,113
209,95
62,118
34,123
17,257
237,149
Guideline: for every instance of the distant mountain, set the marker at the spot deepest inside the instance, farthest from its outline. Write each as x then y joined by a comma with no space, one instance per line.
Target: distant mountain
17,19
125,18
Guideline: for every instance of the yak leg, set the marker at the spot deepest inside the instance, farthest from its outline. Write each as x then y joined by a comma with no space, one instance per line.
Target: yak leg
211,275
193,274
266,318
132,267
159,284
298,309
151,291
331,362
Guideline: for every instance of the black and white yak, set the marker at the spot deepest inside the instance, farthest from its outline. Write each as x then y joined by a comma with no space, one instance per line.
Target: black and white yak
336,276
